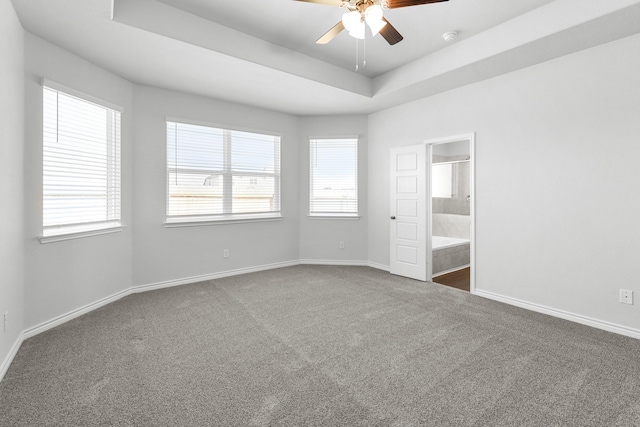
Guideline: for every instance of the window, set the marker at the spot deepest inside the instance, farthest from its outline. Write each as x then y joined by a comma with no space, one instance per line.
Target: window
217,174
333,177
81,164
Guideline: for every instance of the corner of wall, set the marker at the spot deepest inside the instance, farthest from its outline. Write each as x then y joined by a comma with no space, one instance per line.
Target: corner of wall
12,143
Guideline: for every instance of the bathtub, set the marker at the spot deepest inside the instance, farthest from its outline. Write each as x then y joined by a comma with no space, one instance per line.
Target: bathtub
442,242
449,254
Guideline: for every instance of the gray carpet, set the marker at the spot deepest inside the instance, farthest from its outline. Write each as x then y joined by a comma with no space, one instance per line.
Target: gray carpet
325,346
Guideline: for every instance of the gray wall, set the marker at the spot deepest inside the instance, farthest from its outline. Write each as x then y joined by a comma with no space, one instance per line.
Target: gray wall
11,177
557,155
164,254
320,238
64,276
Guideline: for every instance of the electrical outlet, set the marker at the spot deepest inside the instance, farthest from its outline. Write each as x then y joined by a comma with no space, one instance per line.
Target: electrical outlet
225,253
341,245
6,321
626,296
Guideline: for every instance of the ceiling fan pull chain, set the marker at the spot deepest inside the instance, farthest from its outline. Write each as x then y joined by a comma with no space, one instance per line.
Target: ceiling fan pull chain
364,51
357,57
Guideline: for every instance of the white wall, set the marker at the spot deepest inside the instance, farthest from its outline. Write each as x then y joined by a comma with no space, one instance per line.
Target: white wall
11,177
164,254
557,155
65,276
320,238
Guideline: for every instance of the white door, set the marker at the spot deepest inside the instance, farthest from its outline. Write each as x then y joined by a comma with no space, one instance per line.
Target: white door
409,211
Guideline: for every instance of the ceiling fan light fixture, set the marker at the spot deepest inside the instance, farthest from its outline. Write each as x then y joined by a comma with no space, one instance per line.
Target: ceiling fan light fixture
352,21
373,16
357,34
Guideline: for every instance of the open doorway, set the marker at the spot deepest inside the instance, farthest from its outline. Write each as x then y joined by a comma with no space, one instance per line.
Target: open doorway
422,232
451,211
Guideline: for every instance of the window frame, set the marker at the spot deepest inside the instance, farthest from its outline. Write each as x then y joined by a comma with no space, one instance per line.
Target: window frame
335,215
113,165
196,220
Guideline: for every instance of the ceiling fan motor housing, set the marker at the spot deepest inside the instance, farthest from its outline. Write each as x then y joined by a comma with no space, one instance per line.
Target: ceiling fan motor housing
362,5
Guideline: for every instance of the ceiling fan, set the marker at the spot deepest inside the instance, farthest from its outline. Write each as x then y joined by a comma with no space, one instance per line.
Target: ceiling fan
370,12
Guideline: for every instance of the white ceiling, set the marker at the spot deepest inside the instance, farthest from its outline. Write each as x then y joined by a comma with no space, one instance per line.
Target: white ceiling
297,25
262,52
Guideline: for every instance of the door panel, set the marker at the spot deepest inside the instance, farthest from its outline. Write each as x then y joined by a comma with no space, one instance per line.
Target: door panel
407,184
407,254
407,161
406,231
408,208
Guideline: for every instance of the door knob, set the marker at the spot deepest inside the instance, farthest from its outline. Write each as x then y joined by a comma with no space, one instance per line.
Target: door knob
393,217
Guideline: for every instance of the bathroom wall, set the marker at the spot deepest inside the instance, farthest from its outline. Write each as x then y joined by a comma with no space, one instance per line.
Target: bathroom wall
451,225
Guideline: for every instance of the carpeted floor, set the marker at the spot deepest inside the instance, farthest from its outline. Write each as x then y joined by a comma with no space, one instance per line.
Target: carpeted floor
325,346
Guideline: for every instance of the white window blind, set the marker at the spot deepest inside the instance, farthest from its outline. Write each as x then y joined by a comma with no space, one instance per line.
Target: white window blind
215,173
333,177
81,164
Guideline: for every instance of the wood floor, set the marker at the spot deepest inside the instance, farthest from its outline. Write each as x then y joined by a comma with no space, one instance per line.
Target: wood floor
460,279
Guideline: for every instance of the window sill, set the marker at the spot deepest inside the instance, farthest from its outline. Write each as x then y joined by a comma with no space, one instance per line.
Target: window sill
70,234
204,221
330,216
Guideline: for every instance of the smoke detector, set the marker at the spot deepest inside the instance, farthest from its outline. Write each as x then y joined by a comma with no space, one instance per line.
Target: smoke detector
450,36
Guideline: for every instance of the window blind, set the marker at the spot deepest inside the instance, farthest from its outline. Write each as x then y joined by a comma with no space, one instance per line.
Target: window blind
333,177
81,164
214,172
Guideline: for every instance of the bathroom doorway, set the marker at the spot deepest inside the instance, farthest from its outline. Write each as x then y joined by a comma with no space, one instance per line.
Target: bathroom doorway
451,211
414,197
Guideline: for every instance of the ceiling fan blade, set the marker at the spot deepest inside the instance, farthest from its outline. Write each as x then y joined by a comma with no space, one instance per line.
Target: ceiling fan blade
394,4
390,34
327,2
329,35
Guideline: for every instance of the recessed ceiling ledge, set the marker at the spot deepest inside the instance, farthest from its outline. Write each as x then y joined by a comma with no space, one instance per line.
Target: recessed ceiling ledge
167,21
558,17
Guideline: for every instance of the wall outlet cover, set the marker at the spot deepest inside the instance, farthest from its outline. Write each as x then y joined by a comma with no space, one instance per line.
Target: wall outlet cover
626,296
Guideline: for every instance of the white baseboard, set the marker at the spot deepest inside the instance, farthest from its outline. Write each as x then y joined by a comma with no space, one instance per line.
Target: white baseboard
378,266
584,320
333,262
4,367
45,326
212,276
